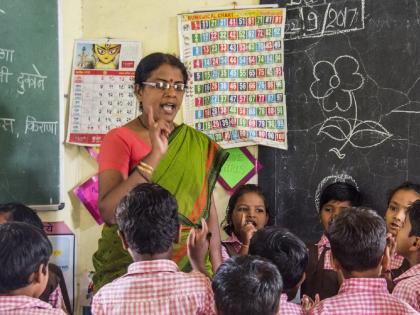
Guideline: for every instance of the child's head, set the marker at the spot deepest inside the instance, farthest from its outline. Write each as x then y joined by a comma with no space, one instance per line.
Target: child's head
18,212
285,250
399,199
247,285
24,254
336,197
408,238
247,200
147,218
358,239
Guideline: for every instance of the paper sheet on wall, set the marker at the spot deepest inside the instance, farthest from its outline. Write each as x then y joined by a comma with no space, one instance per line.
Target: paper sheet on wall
236,87
102,95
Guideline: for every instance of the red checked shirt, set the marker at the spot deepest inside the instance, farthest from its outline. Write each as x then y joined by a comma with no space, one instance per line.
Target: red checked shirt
25,305
408,287
56,298
288,308
363,296
322,244
236,244
155,287
396,261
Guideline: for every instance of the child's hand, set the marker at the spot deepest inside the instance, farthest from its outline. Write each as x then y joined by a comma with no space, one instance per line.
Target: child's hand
307,303
391,242
197,246
247,230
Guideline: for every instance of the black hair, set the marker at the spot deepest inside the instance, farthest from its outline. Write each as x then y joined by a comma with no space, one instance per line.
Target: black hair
23,249
148,217
20,213
358,239
227,223
340,191
404,186
153,61
247,285
285,250
414,215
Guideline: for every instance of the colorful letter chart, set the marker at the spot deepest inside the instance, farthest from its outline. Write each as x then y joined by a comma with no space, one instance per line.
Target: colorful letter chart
102,95
236,88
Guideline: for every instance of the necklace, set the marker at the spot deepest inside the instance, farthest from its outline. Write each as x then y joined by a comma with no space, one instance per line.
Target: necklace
142,123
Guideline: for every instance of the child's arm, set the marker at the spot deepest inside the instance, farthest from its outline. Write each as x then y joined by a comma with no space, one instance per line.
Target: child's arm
215,241
197,247
247,231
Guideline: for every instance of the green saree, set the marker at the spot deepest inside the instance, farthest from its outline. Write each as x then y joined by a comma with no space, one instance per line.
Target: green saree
188,170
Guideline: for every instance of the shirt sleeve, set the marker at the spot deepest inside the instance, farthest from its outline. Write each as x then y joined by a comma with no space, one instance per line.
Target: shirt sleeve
114,153
97,308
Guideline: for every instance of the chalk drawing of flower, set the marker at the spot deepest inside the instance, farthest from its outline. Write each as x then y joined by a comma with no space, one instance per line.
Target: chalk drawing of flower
334,85
335,82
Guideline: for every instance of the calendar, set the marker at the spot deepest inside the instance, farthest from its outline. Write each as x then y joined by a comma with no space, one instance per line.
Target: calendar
102,88
235,62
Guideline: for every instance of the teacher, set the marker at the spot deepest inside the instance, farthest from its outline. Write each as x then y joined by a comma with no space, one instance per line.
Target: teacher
152,148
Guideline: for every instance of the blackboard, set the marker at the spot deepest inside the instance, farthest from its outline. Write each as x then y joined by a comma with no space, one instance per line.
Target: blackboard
30,126
352,71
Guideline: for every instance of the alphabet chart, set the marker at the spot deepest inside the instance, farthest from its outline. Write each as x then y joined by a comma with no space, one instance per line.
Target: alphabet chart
102,90
236,89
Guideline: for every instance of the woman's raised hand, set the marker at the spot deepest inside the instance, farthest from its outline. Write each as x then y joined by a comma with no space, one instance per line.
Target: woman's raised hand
159,132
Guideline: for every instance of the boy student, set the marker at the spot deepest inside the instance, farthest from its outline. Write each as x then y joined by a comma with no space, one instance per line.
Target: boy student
148,224
359,252
24,254
247,285
408,245
290,256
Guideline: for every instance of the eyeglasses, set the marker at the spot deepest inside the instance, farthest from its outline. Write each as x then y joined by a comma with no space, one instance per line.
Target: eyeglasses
164,86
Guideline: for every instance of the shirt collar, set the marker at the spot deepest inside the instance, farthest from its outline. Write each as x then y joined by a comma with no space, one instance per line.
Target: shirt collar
17,302
283,298
413,271
323,242
232,239
366,285
152,266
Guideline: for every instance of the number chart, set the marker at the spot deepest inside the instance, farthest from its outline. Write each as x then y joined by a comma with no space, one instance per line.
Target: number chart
236,82
102,93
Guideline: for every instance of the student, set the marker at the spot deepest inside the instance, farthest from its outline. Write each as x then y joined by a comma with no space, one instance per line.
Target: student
247,285
399,199
408,245
321,279
56,291
148,224
246,213
359,252
290,256
24,254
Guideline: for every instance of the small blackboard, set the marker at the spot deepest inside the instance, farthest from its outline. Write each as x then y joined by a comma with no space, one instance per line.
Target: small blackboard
352,72
30,125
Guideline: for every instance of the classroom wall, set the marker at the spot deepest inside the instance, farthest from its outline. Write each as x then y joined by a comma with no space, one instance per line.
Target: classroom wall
155,24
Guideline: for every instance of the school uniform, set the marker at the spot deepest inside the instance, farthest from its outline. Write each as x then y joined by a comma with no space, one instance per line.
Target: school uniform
398,265
408,287
155,287
26,305
288,308
231,246
320,275
363,296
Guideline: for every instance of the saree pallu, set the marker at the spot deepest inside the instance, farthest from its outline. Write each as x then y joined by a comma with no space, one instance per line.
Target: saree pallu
188,170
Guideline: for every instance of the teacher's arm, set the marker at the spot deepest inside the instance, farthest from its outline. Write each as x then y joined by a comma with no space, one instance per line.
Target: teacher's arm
215,241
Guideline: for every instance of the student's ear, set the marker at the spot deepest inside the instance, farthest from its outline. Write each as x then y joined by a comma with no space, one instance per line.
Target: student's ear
123,240
39,280
178,235
416,244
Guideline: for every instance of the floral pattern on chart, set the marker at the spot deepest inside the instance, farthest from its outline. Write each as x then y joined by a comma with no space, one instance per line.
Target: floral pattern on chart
334,85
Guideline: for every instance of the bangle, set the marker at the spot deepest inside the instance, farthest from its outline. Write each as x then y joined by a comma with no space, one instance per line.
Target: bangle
147,167
244,245
139,170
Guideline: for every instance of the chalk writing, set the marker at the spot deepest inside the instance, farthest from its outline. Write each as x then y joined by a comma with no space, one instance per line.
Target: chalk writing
7,54
4,74
6,124
334,86
30,80
32,125
307,19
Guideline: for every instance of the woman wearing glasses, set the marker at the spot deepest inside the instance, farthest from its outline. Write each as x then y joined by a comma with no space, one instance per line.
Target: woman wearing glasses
153,148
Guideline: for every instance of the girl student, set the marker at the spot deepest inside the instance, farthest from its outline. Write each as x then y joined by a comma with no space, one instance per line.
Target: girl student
334,194
247,212
399,199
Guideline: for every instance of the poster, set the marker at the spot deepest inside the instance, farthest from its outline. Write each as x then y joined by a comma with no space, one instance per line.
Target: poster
235,59
102,88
